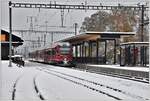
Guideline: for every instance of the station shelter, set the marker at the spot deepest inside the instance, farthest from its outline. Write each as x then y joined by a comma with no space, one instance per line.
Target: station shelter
95,47
4,39
134,54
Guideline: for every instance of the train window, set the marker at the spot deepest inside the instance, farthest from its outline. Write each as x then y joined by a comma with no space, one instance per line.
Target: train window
48,52
64,50
51,52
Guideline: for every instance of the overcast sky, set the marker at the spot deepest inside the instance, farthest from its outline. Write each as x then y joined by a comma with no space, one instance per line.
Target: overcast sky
53,16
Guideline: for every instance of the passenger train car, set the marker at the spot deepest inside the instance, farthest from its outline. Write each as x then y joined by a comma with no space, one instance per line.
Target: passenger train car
58,53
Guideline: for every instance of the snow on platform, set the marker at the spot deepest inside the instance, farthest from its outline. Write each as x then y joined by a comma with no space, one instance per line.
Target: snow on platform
143,69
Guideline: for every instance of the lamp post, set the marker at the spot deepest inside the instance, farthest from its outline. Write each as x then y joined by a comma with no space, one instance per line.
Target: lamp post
10,34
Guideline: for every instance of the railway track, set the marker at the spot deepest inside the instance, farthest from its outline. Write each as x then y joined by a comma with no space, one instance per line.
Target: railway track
143,80
35,88
113,73
14,88
128,77
95,86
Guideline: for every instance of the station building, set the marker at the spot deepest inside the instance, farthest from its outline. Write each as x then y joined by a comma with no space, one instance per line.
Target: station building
4,39
134,54
104,48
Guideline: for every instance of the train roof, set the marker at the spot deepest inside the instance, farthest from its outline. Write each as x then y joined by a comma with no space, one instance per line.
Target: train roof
41,48
49,46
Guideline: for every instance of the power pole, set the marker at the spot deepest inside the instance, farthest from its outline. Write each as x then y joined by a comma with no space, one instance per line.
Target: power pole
62,17
10,34
46,32
75,25
30,19
142,23
44,39
38,42
52,38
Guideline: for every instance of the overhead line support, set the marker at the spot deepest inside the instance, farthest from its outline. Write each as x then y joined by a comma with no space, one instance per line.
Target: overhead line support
80,7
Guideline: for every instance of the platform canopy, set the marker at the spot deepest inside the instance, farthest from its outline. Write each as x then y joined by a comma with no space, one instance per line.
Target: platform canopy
92,35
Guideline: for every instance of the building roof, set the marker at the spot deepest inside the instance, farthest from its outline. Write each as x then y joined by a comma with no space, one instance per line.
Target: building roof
16,41
92,35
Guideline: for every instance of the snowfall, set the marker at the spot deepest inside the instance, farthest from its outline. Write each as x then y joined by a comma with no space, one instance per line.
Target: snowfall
38,81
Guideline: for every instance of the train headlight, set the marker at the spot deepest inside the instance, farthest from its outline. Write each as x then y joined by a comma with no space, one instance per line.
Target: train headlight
65,61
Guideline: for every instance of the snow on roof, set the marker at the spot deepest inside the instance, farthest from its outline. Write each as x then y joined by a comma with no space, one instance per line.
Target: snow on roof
138,43
119,33
15,38
12,42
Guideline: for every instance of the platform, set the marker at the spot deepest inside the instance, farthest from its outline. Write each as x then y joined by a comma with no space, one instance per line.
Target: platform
135,73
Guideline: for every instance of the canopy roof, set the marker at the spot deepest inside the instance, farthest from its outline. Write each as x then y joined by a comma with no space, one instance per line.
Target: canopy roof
92,35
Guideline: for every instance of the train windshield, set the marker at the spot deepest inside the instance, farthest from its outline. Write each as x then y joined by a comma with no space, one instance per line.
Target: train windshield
65,50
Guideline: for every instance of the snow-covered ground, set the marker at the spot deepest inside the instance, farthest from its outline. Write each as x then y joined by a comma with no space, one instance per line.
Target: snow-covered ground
143,69
65,84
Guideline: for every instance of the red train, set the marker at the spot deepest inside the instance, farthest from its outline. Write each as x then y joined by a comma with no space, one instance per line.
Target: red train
59,53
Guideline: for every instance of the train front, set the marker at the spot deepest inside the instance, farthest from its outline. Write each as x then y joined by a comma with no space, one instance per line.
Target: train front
64,54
